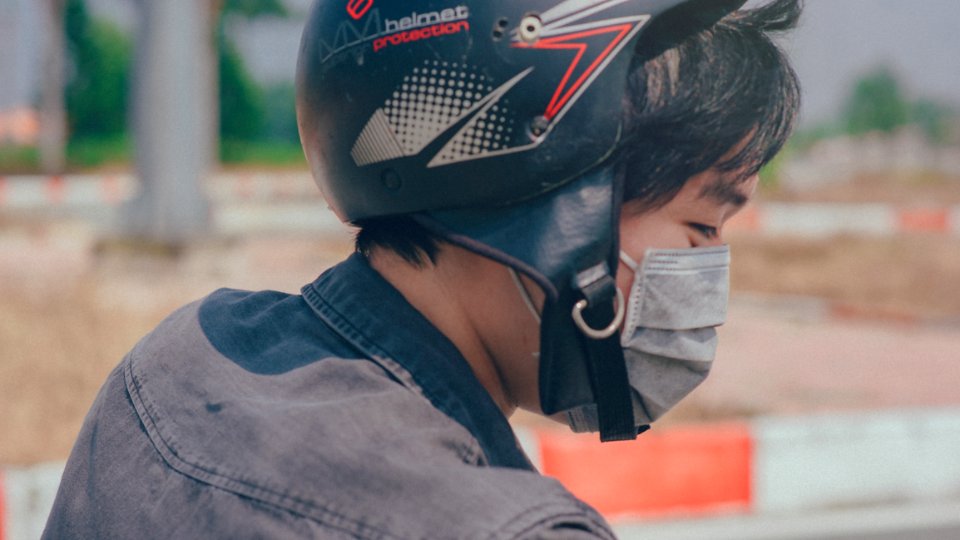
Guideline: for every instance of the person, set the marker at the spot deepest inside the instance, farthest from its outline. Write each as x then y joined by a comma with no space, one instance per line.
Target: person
540,190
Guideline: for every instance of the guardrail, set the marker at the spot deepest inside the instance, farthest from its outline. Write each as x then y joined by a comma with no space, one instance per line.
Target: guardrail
764,466
19,194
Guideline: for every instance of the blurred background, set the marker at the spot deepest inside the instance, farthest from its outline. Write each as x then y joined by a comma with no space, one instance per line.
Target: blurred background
149,154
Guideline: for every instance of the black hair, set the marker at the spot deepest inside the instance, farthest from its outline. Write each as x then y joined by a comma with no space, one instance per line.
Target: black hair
400,234
724,98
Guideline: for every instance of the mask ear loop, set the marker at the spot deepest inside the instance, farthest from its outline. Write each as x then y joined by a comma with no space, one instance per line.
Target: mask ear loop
525,294
628,260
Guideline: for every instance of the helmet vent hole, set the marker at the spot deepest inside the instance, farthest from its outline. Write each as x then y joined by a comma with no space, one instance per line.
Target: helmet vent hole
499,28
530,28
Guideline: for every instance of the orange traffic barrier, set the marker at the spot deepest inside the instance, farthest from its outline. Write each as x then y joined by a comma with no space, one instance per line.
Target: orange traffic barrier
924,220
692,470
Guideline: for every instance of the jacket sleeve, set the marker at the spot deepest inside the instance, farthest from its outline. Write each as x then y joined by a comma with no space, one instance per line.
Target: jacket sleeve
116,485
566,520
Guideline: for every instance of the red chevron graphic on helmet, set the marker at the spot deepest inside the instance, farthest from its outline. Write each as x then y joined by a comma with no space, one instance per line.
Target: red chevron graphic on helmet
591,51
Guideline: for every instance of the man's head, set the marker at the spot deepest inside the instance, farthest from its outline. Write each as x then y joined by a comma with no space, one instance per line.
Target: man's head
537,135
725,98
702,118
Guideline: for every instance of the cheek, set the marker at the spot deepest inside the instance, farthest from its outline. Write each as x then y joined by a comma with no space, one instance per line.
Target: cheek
655,230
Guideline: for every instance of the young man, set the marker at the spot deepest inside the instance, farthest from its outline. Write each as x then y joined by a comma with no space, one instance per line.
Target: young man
540,189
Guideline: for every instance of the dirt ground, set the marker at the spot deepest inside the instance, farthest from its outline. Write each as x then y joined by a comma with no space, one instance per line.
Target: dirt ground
70,310
71,307
907,277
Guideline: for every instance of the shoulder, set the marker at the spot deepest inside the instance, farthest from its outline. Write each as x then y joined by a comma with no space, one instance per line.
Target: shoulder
506,503
244,403
275,379
262,331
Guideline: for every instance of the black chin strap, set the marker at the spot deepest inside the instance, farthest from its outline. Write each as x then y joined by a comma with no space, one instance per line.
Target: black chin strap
601,311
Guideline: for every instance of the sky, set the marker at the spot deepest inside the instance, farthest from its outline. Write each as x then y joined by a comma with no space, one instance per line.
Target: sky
838,41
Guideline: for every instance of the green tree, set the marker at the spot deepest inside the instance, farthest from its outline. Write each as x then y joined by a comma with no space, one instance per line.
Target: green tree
877,104
99,77
254,8
242,102
933,118
99,56
281,115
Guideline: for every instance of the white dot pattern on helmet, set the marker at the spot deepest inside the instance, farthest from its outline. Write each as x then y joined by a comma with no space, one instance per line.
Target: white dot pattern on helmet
428,101
489,131
376,142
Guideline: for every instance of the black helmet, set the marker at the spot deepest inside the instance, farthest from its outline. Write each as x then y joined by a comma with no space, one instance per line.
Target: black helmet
492,123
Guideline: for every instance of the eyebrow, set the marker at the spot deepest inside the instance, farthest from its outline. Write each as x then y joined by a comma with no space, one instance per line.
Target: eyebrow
724,191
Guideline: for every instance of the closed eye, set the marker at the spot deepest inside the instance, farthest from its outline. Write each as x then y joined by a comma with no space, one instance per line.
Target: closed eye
706,230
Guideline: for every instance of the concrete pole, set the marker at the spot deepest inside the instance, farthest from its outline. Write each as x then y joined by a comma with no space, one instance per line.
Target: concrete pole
173,122
53,116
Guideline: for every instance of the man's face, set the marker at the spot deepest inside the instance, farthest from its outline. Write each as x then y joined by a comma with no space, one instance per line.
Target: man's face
694,218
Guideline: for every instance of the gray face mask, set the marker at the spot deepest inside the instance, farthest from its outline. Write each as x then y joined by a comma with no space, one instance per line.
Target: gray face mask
669,338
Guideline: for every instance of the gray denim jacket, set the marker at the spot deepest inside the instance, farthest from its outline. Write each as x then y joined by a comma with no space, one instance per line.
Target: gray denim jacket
338,413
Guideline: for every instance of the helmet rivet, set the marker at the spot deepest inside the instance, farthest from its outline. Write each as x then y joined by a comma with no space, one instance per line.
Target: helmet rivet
539,125
530,28
391,180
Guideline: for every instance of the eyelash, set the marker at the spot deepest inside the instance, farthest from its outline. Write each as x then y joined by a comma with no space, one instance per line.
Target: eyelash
705,230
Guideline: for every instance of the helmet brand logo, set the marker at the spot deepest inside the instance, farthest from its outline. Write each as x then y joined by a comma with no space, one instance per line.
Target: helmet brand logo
358,8
385,32
431,31
419,26
416,20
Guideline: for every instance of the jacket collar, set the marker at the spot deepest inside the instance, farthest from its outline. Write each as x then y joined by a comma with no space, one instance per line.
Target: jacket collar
364,309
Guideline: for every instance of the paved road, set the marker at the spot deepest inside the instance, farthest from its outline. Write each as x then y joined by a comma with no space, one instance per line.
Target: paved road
948,533
933,521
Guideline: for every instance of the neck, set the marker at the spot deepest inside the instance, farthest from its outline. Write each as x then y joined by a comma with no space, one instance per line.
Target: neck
445,293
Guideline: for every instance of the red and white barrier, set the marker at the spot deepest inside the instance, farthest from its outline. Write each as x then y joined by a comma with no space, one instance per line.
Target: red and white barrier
812,220
242,193
40,192
30,193
763,467
26,497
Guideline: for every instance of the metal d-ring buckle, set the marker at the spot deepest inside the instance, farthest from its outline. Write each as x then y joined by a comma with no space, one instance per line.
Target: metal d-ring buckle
605,332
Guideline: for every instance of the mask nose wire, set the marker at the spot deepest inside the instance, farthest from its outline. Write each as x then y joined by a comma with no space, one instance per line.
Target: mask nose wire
525,294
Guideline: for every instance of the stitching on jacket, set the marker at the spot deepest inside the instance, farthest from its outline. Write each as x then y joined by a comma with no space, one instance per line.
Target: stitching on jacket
146,410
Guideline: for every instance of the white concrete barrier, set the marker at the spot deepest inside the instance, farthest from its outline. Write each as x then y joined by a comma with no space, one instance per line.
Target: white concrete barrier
29,493
244,192
798,466
834,460
818,220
